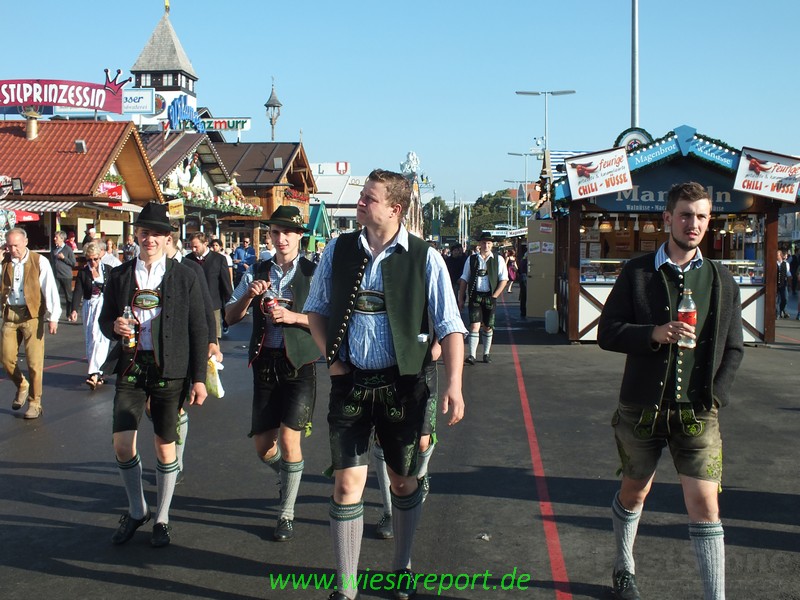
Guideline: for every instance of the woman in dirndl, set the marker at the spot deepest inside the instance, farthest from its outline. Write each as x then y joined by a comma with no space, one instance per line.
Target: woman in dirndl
89,285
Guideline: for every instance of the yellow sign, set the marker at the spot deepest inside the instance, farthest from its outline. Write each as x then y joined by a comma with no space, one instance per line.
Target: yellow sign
175,209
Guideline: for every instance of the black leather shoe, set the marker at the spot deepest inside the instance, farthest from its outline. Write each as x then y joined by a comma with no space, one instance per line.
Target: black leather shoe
160,537
487,358
127,527
425,483
340,596
405,584
624,585
470,360
284,531
384,529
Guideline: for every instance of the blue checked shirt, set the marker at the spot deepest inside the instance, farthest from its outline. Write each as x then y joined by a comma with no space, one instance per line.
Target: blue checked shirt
370,341
661,258
280,285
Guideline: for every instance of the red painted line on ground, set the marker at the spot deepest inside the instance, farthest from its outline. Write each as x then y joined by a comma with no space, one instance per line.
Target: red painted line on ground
63,364
787,338
558,567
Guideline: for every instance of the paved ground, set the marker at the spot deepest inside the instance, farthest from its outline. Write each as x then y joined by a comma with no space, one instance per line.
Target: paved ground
524,483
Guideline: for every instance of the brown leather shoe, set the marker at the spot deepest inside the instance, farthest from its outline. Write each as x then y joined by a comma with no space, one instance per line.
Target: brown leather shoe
22,395
34,411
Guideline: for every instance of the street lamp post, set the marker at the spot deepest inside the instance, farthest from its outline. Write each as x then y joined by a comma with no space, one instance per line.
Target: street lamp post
525,156
546,94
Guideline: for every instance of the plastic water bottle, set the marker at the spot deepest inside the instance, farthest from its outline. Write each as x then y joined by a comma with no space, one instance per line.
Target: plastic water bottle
687,313
129,341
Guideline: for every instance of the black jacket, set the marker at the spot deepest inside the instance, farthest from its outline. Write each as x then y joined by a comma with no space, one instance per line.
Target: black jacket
211,320
83,284
638,302
218,277
181,335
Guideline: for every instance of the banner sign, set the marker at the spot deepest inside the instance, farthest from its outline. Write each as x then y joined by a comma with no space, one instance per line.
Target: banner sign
215,124
598,173
767,174
55,92
139,101
110,190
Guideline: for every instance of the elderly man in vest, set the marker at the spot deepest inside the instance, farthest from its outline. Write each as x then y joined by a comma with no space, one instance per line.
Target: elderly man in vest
483,280
282,355
29,298
372,299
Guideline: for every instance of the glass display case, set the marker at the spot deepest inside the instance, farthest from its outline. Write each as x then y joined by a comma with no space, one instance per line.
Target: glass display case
601,270
746,271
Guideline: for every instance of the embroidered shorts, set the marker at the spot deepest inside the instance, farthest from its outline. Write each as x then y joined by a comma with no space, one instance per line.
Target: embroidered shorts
432,381
282,394
142,381
482,308
394,409
693,439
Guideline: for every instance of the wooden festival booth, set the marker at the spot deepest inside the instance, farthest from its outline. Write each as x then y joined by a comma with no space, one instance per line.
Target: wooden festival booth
595,236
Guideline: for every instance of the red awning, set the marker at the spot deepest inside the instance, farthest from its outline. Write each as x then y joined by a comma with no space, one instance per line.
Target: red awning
26,217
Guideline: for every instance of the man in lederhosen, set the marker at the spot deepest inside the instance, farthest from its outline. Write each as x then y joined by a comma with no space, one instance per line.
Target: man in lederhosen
282,356
372,299
171,334
483,280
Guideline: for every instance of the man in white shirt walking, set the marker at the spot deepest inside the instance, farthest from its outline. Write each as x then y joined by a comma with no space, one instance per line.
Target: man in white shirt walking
29,298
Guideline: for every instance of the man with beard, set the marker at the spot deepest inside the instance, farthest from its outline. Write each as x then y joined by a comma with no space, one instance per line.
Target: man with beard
670,394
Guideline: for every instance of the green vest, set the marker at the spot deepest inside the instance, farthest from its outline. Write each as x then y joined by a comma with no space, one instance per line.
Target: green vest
404,289
491,273
300,346
687,367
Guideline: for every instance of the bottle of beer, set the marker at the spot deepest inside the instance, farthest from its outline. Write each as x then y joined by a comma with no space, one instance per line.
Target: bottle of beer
687,313
129,341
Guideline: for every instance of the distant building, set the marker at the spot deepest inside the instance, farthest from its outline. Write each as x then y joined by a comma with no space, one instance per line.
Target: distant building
339,190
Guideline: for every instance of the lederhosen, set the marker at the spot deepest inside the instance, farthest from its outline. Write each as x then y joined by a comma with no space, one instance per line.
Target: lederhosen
680,420
284,378
482,305
387,401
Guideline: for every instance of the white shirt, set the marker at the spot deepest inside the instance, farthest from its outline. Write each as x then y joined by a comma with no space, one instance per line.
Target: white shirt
148,280
47,281
482,284
111,260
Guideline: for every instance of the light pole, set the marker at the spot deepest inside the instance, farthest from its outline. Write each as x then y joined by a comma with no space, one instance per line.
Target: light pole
546,94
273,107
525,156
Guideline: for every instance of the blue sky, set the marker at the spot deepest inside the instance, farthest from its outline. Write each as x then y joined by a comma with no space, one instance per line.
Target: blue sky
366,82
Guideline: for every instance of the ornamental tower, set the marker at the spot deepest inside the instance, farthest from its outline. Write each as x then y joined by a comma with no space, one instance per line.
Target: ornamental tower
164,65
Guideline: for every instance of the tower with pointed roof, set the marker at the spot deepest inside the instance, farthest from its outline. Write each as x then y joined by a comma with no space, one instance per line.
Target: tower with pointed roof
164,65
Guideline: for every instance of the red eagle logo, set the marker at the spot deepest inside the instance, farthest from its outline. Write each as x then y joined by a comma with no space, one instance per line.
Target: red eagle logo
583,169
757,165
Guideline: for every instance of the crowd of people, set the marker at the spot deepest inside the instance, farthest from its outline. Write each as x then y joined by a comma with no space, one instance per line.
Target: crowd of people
380,306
